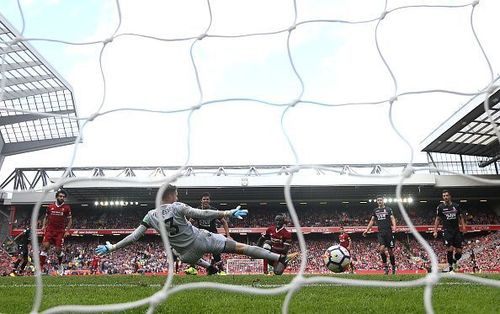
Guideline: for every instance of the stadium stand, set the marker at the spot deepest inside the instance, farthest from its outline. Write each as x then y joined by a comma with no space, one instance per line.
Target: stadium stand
148,255
130,217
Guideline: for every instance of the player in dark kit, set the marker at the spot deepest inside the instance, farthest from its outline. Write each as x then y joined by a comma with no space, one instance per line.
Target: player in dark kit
22,241
386,224
450,215
210,225
55,227
276,239
475,268
345,241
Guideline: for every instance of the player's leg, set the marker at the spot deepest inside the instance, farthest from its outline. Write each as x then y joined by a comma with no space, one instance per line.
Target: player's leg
265,267
16,265
381,250
24,258
390,243
44,250
59,240
457,244
217,262
352,268
250,250
176,262
448,243
266,245
177,265
280,261
211,269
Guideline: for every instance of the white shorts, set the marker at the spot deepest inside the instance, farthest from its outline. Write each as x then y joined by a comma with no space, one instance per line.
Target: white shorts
206,242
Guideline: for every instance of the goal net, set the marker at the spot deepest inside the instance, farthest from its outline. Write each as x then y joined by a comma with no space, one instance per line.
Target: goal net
240,266
327,77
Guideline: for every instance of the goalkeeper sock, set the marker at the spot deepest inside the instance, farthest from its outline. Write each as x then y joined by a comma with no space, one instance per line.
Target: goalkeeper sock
457,256
258,252
384,258
393,260
203,263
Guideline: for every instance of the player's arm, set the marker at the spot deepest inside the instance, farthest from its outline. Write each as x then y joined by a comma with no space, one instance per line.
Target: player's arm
44,223
349,245
393,222
370,224
131,238
287,244
226,227
264,237
462,222
18,236
436,224
68,226
210,214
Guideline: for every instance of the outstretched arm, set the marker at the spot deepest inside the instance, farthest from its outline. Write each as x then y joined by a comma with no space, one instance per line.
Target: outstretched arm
131,238
209,213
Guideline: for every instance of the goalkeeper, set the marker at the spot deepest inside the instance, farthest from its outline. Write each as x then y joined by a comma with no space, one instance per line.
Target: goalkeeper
191,243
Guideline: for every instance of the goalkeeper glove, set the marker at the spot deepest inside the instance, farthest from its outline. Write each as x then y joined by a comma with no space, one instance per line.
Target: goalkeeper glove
104,249
238,213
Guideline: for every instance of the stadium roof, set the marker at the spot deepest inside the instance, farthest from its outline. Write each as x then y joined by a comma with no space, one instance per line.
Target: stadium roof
468,131
247,184
32,85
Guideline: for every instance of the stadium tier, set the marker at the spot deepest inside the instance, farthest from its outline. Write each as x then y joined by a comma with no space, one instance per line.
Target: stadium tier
148,255
320,220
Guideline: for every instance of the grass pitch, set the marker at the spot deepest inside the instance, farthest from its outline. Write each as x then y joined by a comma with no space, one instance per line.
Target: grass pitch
450,296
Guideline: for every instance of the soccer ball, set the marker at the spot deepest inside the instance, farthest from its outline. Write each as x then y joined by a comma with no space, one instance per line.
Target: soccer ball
337,258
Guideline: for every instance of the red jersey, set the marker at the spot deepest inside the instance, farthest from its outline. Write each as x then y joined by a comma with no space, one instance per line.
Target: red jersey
278,238
344,240
95,261
56,216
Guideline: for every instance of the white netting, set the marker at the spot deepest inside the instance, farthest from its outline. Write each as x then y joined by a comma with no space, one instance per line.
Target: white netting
290,27
240,266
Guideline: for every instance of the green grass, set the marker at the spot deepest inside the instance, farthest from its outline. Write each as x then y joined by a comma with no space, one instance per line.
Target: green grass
452,296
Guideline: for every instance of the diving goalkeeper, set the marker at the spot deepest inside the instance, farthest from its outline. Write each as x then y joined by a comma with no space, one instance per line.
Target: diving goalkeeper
191,243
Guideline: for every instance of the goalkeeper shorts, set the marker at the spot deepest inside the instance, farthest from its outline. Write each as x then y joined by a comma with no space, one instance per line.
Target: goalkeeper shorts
206,242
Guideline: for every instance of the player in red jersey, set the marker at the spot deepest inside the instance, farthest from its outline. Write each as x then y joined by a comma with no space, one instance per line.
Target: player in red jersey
55,227
276,239
94,265
345,241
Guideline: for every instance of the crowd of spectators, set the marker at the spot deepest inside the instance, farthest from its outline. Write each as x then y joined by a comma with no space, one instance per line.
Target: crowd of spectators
119,218
148,255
